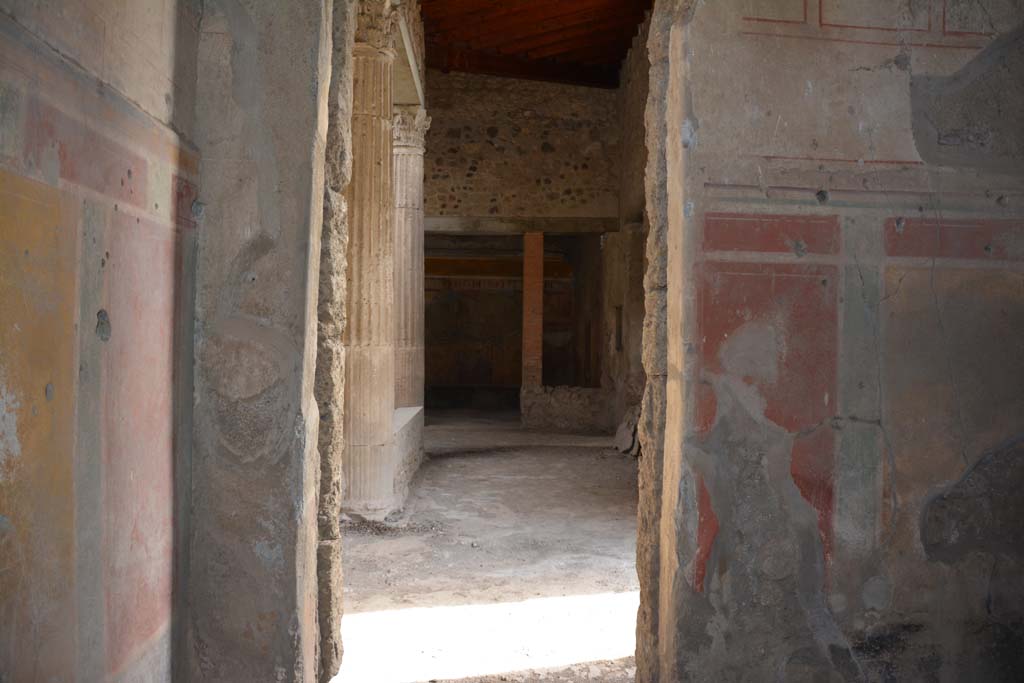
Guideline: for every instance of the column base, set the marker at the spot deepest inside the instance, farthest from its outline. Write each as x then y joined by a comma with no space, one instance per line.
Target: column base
377,477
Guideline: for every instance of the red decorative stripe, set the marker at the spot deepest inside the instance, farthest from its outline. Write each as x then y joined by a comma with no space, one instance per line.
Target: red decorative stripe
769,233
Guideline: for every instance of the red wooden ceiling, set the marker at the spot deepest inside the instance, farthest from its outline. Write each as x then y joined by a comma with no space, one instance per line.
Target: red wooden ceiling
568,41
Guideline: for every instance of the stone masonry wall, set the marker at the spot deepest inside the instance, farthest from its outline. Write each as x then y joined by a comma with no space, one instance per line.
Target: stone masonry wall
632,105
97,242
623,252
844,396
622,301
581,410
651,427
507,147
330,352
262,124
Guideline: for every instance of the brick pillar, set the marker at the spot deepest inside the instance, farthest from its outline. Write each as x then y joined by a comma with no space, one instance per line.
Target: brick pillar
369,468
533,309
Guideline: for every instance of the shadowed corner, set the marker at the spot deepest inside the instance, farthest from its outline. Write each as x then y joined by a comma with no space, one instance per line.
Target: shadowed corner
186,216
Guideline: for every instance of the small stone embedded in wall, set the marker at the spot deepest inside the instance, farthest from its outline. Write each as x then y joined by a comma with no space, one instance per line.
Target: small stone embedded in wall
103,326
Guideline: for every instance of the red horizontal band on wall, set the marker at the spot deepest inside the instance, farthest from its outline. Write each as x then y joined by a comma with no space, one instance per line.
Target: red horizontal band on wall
1001,240
84,156
770,233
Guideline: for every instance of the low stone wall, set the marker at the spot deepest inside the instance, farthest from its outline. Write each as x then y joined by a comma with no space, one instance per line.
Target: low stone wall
394,463
567,409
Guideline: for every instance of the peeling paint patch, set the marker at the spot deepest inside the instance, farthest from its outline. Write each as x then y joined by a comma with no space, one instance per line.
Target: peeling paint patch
271,554
689,134
791,311
10,446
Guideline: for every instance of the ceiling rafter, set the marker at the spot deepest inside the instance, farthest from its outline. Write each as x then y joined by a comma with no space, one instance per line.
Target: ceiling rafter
589,55
542,19
451,58
568,41
608,38
538,40
481,11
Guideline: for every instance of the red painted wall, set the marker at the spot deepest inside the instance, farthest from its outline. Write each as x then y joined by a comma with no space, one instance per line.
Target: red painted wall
91,509
801,303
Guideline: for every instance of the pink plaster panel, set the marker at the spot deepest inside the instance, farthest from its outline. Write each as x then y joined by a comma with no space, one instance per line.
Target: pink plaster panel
138,420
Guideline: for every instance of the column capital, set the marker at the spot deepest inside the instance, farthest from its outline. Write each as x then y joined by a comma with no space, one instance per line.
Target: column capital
410,126
375,24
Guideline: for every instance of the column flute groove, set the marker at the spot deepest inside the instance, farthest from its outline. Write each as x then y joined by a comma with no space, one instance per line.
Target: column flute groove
410,128
369,464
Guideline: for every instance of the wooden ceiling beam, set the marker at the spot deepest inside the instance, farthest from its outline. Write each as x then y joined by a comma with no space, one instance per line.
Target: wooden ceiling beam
441,9
593,55
580,42
553,18
490,14
542,39
599,40
443,13
451,58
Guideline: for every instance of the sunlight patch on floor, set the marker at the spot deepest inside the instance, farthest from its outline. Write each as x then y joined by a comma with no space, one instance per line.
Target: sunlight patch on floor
420,644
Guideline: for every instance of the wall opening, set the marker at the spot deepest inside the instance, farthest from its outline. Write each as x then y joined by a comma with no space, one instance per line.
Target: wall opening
515,549
473,322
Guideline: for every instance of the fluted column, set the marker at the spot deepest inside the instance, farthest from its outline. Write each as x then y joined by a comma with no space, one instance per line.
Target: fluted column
369,466
410,128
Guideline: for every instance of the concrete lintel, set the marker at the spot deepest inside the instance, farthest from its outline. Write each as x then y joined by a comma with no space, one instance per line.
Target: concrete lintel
519,225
